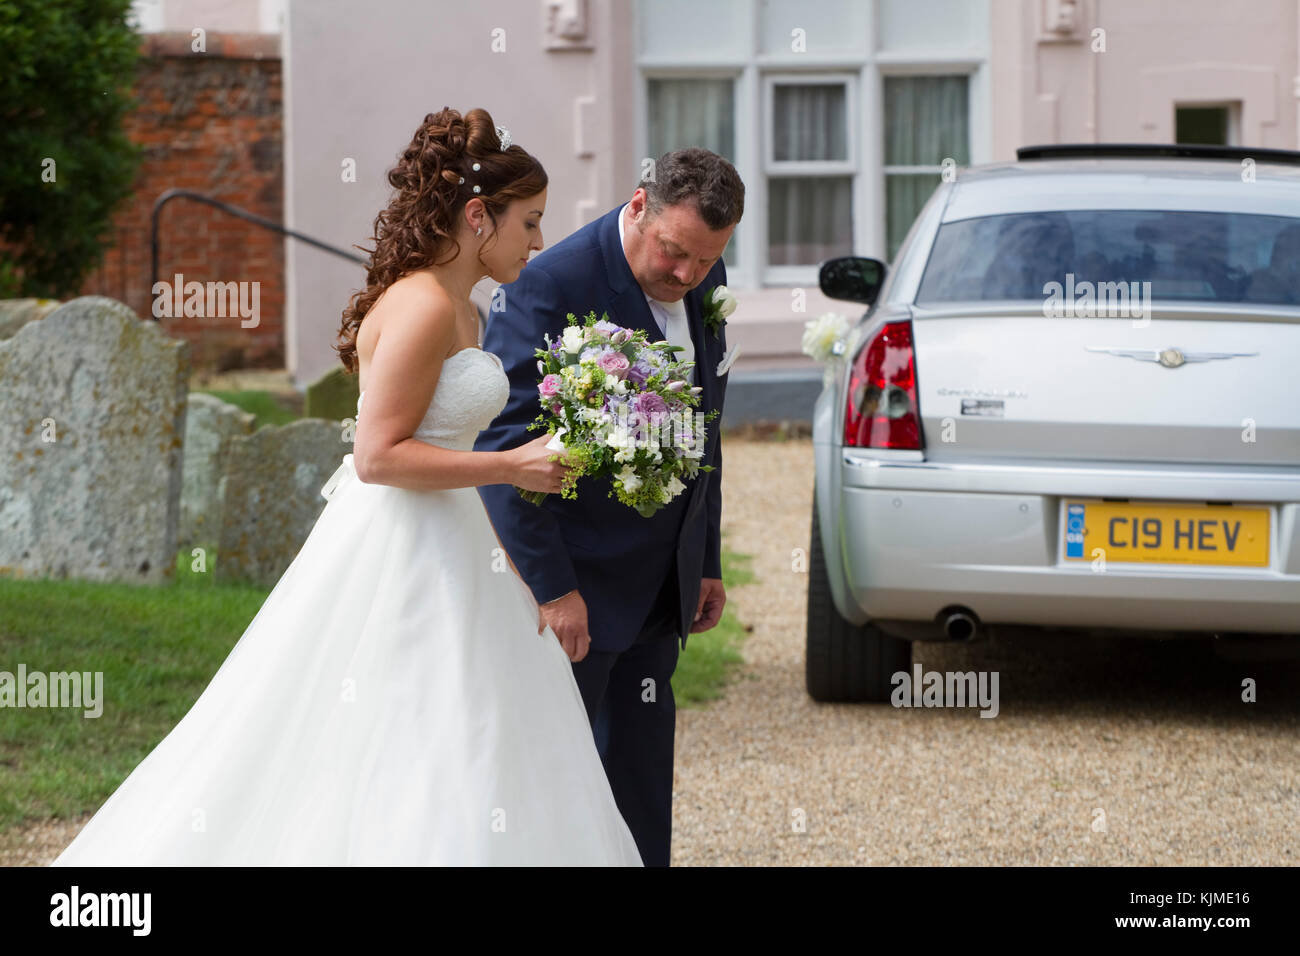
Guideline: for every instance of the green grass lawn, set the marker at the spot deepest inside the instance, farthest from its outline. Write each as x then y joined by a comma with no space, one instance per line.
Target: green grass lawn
158,647
705,667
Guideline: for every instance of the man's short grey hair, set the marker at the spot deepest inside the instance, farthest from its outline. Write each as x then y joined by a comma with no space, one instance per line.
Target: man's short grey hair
700,177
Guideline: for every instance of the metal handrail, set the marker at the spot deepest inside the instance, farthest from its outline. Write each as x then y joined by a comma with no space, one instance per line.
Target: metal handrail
255,219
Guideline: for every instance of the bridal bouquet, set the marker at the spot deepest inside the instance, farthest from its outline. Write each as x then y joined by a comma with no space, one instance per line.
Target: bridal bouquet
620,407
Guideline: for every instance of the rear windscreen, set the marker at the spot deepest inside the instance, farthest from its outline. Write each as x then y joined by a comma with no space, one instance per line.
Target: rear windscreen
1193,256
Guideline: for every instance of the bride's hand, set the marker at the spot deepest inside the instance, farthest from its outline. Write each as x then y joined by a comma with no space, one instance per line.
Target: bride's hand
533,470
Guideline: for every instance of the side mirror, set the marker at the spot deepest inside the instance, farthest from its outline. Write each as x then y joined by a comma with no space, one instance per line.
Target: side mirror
853,278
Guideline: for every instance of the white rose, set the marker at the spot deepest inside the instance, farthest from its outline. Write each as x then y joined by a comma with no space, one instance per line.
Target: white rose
674,487
821,334
725,301
694,448
572,340
630,481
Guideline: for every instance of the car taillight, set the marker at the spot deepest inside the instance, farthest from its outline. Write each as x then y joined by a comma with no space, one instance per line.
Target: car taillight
881,410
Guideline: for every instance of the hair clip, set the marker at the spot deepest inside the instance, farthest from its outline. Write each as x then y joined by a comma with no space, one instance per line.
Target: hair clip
462,180
475,167
504,135
477,188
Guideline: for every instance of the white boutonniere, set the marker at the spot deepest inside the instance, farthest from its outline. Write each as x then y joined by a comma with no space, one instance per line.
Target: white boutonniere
718,305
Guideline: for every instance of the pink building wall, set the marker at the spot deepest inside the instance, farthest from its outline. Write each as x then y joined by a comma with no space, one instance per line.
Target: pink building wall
566,77
1050,86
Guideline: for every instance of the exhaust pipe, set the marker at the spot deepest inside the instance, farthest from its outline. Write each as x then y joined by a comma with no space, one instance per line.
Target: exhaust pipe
960,624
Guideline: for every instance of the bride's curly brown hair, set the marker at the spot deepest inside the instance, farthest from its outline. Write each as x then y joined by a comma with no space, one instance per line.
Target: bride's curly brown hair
434,179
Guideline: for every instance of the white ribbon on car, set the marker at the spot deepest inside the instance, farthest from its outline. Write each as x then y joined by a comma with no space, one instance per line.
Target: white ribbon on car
344,473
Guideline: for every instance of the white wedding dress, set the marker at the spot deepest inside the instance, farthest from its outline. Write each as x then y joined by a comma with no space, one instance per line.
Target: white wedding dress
391,702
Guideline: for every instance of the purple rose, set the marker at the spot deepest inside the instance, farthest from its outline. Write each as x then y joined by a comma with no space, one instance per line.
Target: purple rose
639,371
549,386
650,404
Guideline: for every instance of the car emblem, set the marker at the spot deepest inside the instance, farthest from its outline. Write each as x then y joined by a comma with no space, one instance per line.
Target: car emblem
1170,357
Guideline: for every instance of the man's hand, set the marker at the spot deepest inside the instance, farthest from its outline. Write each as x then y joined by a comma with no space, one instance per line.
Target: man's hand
713,598
568,619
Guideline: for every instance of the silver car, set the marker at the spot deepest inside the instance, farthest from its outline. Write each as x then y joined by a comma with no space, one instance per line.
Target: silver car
1073,403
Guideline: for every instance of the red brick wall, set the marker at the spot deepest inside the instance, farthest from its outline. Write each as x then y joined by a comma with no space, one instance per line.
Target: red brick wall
210,122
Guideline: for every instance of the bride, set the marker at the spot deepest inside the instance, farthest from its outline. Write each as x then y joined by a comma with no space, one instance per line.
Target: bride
398,698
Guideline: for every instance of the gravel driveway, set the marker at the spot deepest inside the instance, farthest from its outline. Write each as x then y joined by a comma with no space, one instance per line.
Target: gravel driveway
1150,738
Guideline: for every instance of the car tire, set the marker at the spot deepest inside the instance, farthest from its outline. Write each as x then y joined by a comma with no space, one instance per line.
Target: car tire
845,662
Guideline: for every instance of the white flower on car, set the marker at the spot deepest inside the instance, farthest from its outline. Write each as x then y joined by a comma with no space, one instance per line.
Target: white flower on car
822,334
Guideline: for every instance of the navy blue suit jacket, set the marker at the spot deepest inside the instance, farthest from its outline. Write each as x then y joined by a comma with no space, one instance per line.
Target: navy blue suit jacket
616,559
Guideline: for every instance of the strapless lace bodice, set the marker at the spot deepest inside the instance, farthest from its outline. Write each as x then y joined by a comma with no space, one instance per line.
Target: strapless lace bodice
472,390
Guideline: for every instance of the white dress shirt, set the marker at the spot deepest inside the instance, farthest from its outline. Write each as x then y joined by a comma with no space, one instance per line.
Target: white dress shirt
671,316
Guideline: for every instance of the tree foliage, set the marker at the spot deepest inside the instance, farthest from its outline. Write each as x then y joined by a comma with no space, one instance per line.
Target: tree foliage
67,69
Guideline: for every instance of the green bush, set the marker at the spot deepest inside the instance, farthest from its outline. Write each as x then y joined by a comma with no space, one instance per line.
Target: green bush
68,67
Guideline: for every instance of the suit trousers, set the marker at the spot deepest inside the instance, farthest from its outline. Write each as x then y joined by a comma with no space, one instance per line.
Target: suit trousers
629,700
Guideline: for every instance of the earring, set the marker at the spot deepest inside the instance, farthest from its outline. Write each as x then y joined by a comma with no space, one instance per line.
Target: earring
480,231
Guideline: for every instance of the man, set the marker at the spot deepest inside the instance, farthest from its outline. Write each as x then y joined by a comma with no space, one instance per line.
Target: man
620,590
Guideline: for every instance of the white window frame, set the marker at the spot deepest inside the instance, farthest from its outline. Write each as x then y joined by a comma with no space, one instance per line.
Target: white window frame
737,274
866,135
967,68
774,168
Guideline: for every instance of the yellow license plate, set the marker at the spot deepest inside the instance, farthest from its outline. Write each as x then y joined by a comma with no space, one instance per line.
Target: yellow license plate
1166,533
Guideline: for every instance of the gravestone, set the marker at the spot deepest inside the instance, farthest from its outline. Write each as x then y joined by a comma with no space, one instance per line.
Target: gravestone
270,496
15,313
210,426
93,403
333,395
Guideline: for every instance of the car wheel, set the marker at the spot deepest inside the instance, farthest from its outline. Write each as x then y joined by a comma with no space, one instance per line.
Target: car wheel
845,662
